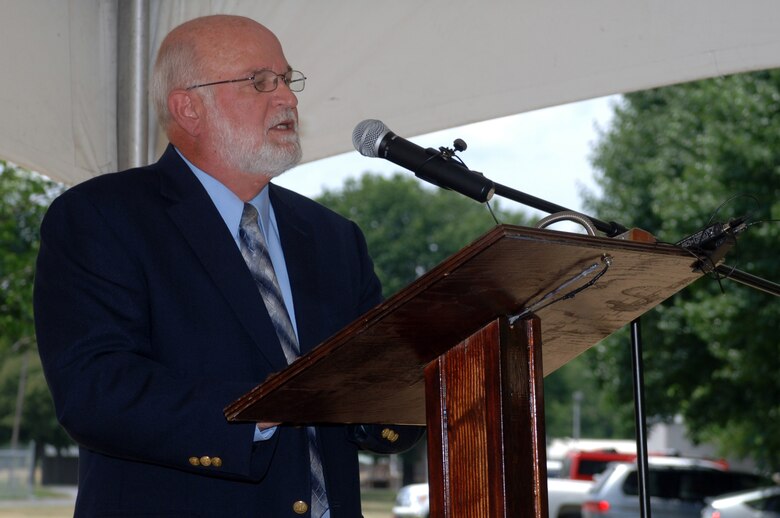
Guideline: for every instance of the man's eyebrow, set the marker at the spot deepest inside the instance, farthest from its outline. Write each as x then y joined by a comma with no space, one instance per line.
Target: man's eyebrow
289,69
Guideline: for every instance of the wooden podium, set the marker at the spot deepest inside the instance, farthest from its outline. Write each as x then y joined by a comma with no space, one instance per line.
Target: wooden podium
446,352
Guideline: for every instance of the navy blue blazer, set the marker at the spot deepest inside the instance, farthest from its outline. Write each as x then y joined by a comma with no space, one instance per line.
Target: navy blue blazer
148,324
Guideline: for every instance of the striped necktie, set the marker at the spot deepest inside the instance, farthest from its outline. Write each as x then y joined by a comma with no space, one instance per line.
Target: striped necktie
255,252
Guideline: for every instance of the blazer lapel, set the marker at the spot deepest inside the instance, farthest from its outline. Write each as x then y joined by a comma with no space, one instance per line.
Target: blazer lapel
296,233
200,224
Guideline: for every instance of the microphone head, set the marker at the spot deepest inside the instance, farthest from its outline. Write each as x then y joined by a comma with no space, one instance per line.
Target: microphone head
367,135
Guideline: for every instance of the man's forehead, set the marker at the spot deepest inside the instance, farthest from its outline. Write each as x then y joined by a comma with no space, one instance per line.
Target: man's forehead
246,58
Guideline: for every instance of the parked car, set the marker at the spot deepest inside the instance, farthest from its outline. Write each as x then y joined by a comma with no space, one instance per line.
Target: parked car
756,503
564,498
412,502
554,467
583,465
677,486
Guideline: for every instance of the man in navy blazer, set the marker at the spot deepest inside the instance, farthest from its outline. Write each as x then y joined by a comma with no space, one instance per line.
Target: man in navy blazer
148,320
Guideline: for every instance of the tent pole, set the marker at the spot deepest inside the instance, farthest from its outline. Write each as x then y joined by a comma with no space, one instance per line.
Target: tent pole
132,79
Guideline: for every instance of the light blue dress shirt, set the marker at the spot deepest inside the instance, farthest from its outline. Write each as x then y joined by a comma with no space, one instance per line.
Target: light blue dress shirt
231,207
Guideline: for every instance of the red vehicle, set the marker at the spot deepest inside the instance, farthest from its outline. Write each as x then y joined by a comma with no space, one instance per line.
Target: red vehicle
583,465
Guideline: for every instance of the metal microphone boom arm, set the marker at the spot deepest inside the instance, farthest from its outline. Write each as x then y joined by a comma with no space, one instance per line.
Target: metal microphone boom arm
613,229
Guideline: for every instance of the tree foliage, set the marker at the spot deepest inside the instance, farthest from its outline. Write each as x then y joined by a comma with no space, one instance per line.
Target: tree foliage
410,229
24,197
597,417
674,160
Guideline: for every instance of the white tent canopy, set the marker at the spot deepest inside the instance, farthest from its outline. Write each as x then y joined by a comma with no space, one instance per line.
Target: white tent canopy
417,66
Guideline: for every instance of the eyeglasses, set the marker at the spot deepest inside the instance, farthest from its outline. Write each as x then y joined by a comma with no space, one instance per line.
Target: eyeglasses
266,81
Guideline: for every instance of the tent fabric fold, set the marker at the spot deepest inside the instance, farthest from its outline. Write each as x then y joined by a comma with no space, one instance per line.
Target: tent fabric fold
417,66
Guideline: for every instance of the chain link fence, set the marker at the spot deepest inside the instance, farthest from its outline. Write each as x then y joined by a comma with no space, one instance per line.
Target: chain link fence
17,472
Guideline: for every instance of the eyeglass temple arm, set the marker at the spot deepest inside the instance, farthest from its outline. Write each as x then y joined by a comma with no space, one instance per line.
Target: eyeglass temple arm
221,82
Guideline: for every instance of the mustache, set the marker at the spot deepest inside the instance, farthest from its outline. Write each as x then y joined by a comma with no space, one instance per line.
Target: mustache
288,116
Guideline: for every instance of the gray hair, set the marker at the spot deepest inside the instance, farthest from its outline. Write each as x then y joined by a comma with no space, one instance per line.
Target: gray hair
177,66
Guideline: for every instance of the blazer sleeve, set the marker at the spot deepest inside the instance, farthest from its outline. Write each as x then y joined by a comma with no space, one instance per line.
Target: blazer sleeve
111,392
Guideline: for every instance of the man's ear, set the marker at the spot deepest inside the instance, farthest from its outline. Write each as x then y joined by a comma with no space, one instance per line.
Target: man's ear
186,109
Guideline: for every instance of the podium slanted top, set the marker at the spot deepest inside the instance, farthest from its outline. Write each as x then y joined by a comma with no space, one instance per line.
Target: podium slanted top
372,370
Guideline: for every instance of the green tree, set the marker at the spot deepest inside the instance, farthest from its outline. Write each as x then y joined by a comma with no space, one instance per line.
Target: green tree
410,229
597,417
24,197
674,160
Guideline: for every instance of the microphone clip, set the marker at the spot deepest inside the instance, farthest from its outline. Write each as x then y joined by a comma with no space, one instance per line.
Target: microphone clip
711,244
449,153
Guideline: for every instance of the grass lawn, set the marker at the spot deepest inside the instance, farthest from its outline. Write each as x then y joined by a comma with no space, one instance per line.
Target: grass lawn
39,511
377,503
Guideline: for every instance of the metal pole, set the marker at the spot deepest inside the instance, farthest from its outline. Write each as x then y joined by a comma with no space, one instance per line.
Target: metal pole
576,414
17,424
639,413
19,410
132,79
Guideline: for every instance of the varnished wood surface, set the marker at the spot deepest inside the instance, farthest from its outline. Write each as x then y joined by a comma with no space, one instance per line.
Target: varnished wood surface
372,371
486,439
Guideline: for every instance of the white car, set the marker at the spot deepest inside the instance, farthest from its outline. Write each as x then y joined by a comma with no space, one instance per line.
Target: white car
757,503
564,498
412,502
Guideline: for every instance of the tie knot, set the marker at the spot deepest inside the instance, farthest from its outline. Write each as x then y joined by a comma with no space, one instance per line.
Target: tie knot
249,215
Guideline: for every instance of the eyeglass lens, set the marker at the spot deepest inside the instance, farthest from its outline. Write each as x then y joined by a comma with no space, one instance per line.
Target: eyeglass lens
268,80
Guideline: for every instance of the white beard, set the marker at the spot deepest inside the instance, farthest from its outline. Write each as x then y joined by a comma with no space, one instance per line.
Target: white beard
238,149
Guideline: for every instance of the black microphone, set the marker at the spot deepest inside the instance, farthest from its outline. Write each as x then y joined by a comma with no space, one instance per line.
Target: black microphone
372,138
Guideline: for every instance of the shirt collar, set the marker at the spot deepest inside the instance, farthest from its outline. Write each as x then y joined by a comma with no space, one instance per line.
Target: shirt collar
229,205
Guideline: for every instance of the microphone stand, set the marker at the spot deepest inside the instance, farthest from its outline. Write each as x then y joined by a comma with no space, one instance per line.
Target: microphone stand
612,229
757,283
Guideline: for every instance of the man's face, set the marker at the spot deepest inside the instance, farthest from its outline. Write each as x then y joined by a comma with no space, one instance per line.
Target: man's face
250,131
268,149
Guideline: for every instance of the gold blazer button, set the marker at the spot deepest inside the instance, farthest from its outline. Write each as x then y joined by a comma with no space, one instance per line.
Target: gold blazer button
194,461
205,461
390,434
300,507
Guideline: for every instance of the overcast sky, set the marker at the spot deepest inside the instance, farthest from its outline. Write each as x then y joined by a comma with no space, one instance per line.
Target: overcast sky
544,153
